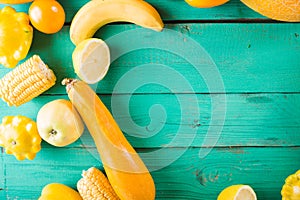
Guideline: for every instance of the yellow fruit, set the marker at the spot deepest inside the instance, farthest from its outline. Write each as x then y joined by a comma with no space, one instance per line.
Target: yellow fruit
205,3
58,191
59,123
281,10
237,192
97,13
291,188
91,60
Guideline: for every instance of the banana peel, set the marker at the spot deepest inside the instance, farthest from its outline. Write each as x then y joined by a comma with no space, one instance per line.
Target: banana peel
97,13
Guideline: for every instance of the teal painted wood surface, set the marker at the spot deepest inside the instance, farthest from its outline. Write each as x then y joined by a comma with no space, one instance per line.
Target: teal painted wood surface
246,56
224,69
169,10
247,117
189,177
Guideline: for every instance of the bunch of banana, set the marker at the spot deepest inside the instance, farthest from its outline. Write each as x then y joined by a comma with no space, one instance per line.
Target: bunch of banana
97,13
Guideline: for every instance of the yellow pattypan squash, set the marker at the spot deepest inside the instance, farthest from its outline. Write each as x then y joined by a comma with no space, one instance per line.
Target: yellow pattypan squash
15,36
291,188
19,136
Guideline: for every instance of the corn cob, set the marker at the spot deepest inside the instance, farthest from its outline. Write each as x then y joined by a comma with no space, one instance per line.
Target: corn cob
95,186
26,81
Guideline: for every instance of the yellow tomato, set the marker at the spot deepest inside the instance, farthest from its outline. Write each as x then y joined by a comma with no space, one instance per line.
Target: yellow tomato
205,3
47,16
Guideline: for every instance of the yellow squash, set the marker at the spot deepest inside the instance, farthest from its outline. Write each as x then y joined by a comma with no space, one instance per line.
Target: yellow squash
291,188
125,170
15,36
19,136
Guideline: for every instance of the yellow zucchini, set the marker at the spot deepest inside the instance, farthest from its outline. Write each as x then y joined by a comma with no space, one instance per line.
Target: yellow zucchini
125,170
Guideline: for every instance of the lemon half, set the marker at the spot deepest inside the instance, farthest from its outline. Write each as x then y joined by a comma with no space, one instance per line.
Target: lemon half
237,192
91,60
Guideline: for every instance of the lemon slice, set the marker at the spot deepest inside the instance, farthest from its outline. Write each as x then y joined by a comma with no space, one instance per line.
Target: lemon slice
237,192
91,60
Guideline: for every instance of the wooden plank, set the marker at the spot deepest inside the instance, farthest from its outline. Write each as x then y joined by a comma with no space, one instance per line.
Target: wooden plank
252,119
244,61
188,177
173,10
2,175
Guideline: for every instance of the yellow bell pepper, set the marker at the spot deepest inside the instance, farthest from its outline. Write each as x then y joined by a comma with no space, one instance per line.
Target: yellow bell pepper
19,136
15,36
291,188
58,191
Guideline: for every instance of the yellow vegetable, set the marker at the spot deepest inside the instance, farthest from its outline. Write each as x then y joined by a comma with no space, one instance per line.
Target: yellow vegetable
27,81
94,185
124,168
15,1
291,188
19,136
15,36
58,191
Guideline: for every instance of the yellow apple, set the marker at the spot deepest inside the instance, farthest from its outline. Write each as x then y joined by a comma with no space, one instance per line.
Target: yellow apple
59,123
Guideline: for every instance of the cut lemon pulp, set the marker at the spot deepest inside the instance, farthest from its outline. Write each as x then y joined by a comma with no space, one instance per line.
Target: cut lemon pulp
237,192
91,60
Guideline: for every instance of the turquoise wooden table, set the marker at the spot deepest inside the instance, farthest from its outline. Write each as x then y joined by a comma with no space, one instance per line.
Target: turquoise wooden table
212,101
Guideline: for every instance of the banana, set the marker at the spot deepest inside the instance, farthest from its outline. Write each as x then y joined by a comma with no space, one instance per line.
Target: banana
96,13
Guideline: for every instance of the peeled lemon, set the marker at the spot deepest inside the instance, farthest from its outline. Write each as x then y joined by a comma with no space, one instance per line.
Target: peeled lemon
91,60
237,192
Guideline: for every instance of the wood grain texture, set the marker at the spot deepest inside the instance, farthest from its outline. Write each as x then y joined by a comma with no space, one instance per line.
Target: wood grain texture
188,177
245,57
250,119
168,9
240,56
